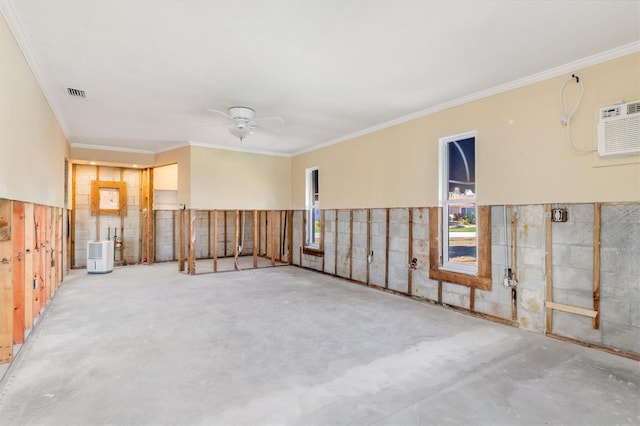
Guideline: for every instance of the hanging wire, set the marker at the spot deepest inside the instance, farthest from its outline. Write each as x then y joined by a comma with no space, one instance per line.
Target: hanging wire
566,118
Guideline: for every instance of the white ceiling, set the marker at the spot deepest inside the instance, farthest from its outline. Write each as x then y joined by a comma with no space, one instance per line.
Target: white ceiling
329,68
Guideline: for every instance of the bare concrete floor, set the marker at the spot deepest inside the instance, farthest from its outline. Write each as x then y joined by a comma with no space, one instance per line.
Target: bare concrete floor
147,345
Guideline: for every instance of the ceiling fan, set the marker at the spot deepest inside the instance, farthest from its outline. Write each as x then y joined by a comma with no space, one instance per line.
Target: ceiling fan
243,121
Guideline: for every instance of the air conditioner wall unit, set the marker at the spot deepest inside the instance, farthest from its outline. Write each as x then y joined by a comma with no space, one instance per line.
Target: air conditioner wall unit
619,130
100,257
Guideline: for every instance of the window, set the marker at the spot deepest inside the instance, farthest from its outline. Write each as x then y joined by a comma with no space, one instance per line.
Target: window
458,202
459,229
313,223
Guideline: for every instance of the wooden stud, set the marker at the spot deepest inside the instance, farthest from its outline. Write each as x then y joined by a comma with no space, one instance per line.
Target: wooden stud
6,279
181,237
209,233
280,235
95,200
191,253
215,241
42,283
17,237
472,299
484,244
29,242
322,214
597,208
386,251
439,291
173,235
368,245
236,238
256,241
272,236
47,252
350,244
72,233
123,213
514,264
434,240
548,269
571,309
289,247
410,254
335,243
225,233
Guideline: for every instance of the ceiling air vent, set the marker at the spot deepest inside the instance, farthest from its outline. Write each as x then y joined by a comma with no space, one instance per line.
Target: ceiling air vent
76,93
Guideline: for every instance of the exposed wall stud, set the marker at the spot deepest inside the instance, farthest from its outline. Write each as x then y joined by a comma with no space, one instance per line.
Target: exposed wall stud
386,251
256,241
597,207
410,254
548,269
236,239
368,278
350,243
181,238
215,241
29,243
191,253
17,236
6,287
514,264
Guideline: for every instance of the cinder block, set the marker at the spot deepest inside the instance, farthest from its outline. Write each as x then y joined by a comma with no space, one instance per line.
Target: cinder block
576,326
617,310
571,278
620,336
456,295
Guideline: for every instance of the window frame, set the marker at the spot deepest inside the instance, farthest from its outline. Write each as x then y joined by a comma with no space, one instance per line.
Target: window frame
446,202
312,203
480,275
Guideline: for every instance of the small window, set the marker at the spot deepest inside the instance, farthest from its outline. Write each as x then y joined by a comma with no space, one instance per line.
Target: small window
313,223
460,230
458,202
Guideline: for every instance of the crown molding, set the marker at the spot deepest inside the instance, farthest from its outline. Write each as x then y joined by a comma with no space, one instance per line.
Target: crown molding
240,149
111,148
608,55
11,17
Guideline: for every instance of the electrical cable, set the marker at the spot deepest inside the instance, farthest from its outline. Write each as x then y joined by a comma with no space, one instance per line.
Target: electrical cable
566,118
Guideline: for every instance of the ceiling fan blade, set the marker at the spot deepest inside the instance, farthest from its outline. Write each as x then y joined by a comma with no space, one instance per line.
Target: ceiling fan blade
224,114
274,120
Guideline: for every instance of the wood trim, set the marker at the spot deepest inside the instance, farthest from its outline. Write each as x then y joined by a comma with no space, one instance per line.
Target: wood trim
597,207
96,186
483,279
335,242
571,309
613,351
548,269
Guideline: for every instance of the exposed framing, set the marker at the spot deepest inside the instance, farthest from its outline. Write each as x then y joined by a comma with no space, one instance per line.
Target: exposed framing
98,207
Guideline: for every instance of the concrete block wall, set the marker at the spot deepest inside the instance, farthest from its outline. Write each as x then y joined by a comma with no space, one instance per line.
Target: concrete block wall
378,265
166,244
85,224
619,274
343,246
524,305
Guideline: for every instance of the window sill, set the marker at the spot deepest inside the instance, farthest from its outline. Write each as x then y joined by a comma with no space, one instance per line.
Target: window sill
482,283
313,251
